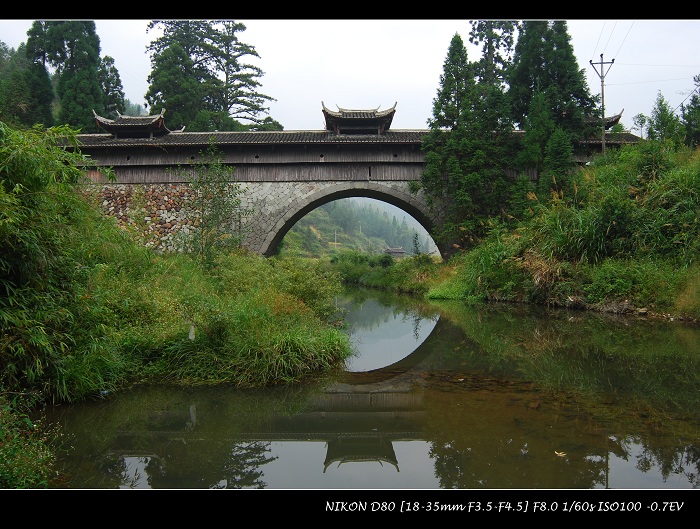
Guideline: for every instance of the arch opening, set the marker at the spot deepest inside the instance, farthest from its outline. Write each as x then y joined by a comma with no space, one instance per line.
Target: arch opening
360,219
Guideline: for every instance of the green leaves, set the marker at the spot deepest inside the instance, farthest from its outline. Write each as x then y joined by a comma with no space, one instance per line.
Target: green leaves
199,75
216,208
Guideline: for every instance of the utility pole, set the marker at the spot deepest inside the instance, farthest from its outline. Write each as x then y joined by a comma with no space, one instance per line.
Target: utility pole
601,74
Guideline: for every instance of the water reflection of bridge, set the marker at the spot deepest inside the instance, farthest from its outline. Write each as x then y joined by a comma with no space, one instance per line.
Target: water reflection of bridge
358,424
359,417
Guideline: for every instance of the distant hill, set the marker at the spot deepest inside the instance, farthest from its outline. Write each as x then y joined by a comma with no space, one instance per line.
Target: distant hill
357,223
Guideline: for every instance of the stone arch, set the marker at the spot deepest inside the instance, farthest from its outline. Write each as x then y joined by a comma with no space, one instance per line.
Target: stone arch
395,193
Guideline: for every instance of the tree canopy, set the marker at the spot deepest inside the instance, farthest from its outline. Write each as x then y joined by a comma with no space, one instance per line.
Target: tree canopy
544,61
72,48
200,76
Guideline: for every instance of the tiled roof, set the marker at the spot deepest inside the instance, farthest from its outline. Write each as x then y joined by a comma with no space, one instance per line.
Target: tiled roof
612,138
133,125
372,113
358,121
128,131
199,139
609,120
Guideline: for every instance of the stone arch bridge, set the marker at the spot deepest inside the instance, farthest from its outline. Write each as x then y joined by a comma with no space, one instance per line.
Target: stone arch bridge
282,175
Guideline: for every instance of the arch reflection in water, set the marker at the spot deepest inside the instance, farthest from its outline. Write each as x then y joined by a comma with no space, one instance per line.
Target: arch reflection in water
383,335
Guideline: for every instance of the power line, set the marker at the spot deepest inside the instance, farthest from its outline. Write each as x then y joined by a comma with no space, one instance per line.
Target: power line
610,36
692,92
654,81
623,40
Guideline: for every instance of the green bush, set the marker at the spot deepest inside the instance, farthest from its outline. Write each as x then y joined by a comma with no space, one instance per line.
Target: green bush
27,451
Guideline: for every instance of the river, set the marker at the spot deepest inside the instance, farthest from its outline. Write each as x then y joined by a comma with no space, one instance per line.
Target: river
440,395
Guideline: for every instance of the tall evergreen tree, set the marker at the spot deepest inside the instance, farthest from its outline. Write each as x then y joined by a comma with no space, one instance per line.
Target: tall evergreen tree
570,95
213,56
72,48
496,38
43,44
544,62
525,74
5,55
558,166
539,126
26,93
175,87
455,82
465,162
237,94
112,89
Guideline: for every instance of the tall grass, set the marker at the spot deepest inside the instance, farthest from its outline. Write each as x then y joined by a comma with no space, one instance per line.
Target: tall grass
629,237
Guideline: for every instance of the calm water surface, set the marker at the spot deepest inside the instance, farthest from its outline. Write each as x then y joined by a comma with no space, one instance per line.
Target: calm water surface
438,396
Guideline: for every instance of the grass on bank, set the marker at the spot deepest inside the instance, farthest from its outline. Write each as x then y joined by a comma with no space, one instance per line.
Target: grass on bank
118,314
625,239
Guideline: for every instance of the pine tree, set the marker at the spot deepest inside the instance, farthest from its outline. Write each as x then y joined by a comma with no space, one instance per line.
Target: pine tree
174,86
570,95
26,92
544,62
210,55
111,85
496,38
558,166
466,159
539,126
73,48
455,82
525,74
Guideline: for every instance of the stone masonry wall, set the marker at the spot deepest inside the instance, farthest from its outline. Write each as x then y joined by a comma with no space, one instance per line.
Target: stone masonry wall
160,214
155,213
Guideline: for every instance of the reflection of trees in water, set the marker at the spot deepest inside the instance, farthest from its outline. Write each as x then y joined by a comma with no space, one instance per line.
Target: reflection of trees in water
369,314
417,320
508,435
229,466
167,437
672,461
373,308
655,362
473,467
242,470
502,435
505,390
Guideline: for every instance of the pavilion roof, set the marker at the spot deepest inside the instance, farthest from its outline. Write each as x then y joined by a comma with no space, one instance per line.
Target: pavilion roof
348,121
133,126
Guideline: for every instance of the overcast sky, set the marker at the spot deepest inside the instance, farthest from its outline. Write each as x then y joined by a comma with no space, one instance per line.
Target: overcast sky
363,64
